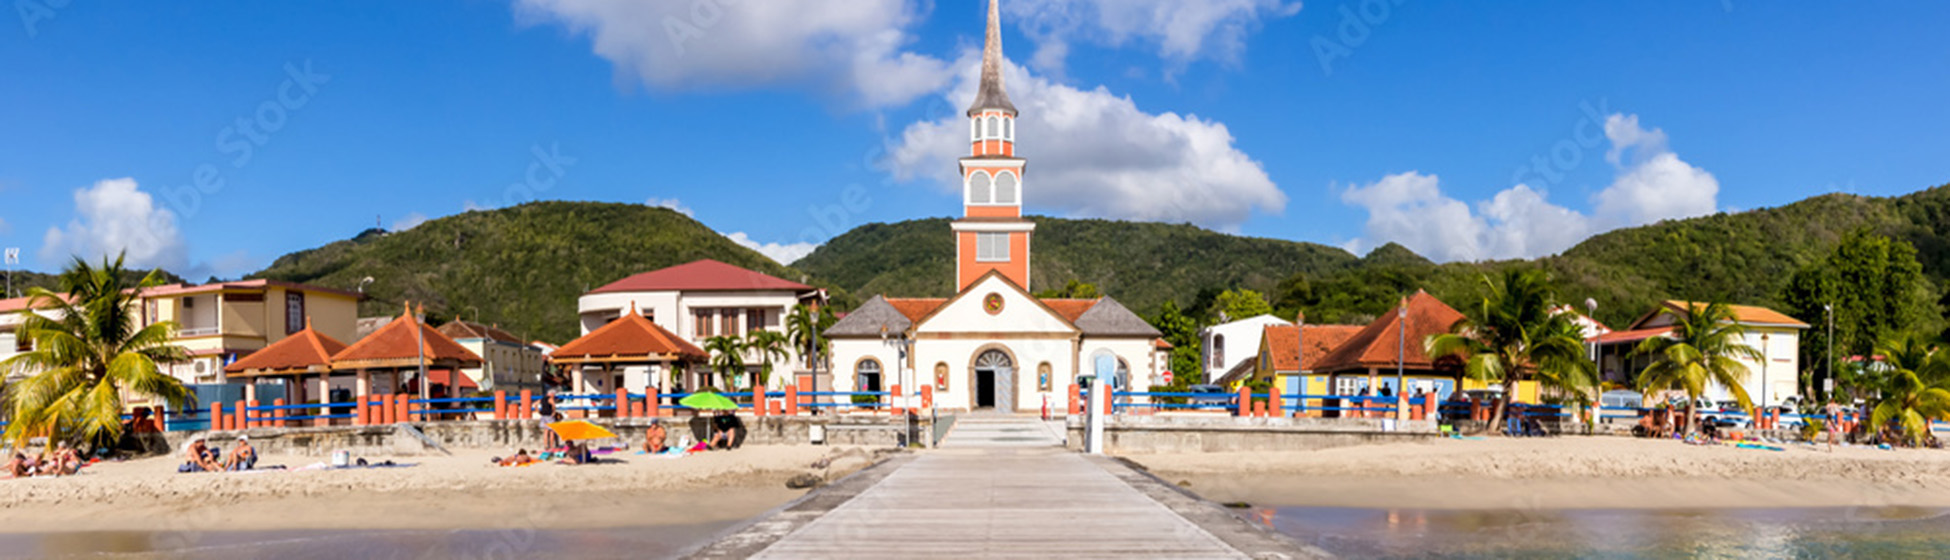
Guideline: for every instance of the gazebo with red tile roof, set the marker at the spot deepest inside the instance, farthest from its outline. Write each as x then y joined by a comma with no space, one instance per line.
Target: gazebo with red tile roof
306,352
399,349
630,341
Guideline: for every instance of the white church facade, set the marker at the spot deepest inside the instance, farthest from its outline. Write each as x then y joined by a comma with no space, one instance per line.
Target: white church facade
993,345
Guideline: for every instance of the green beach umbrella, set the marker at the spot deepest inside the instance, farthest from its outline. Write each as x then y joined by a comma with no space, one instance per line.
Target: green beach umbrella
708,401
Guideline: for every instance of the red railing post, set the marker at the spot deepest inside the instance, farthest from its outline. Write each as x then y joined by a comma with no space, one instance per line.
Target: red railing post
216,416
277,414
500,404
653,399
622,403
1076,399
927,396
896,396
1245,402
525,404
1275,404
792,399
758,400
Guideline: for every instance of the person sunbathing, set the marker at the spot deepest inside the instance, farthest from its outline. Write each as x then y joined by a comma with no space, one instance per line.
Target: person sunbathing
17,467
243,457
200,457
521,458
63,461
578,454
655,439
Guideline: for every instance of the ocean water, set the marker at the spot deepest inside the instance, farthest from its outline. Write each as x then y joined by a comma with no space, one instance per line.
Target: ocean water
647,542
1607,533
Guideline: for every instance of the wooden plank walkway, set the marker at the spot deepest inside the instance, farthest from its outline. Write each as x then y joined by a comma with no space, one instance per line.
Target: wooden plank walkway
1002,487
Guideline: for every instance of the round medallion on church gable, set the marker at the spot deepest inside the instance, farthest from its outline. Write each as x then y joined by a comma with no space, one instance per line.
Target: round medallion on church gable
992,304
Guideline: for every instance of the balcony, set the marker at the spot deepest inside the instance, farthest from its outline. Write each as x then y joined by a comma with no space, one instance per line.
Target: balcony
188,332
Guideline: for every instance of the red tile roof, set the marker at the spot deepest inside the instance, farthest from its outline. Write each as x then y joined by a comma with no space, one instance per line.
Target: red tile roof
19,303
1746,314
1376,344
1162,345
1621,337
916,308
628,336
300,352
394,345
459,329
1070,309
701,276
1284,342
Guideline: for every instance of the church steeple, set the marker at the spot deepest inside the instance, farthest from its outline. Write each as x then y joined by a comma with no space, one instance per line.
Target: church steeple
992,96
992,235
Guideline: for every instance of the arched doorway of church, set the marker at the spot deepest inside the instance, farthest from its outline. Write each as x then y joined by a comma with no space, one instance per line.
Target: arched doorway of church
995,381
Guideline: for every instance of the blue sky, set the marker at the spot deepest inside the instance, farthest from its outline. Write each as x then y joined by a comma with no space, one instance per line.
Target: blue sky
1463,130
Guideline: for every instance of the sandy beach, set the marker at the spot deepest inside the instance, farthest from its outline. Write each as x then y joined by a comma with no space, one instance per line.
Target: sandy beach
462,491
1567,472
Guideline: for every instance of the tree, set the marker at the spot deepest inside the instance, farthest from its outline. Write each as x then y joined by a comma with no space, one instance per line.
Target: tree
1073,290
1909,387
1514,335
768,347
88,351
1876,286
803,327
1240,304
1705,347
727,358
1181,331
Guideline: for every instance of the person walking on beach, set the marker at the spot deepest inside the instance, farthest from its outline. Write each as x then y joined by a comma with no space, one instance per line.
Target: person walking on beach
1834,422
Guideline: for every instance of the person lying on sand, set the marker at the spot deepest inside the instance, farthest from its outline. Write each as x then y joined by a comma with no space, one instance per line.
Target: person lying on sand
17,467
521,458
243,457
728,427
654,438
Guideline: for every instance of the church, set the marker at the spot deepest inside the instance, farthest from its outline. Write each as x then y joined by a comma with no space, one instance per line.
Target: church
993,345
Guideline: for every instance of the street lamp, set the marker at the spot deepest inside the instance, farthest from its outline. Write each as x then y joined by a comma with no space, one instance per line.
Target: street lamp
1829,382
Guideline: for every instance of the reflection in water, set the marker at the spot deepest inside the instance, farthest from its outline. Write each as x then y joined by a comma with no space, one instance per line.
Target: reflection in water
647,542
1728,533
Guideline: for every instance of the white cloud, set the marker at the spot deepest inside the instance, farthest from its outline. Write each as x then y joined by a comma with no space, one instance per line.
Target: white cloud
1181,31
1093,153
470,206
409,221
1653,185
670,203
4,228
115,216
782,252
853,48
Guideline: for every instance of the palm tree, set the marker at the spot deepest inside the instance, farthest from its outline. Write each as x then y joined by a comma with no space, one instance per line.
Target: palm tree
727,358
1704,347
768,347
1515,334
1913,388
802,328
88,351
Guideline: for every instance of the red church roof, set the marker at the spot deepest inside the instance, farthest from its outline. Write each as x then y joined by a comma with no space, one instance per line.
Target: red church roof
1285,344
394,345
307,351
629,336
701,276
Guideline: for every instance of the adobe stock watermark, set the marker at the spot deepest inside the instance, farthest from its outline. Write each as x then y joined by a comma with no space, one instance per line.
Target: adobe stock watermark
1567,154
33,12
546,168
700,17
1357,24
241,140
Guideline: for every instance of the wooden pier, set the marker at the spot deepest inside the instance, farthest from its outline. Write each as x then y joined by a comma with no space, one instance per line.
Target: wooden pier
1003,487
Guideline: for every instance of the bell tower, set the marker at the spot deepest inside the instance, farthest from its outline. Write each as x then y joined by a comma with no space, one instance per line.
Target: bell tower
992,234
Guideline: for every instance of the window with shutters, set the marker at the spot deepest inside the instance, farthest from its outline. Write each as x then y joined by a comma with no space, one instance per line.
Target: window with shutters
991,247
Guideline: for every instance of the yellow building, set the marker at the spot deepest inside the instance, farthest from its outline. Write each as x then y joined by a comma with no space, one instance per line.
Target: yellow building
221,322
1769,381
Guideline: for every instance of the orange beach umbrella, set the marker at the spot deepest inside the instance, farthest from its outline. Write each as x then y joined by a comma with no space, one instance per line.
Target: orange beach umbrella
578,430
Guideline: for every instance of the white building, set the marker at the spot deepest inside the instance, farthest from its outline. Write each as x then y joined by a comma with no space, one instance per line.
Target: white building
700,300
1224,346
993,345
1769,381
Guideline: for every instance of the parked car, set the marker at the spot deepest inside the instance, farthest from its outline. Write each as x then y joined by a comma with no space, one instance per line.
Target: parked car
1621,398
1218,395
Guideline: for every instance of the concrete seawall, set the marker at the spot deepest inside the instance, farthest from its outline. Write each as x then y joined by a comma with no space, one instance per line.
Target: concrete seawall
1185,434
870,431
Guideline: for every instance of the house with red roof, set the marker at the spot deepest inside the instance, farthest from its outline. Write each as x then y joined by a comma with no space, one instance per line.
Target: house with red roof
693,302
1769,381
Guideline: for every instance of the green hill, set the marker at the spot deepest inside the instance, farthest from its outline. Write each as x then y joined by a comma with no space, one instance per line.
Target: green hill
521,267
1141,264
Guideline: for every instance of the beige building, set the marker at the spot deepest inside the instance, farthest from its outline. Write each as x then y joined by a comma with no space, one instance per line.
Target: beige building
221,322
506,361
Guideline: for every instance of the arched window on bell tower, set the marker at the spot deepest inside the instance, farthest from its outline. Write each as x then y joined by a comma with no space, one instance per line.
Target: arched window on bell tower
1009,129
978,188
1005,188
995,129
975,130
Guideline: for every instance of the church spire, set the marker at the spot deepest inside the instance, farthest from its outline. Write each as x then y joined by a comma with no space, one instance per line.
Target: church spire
992,96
